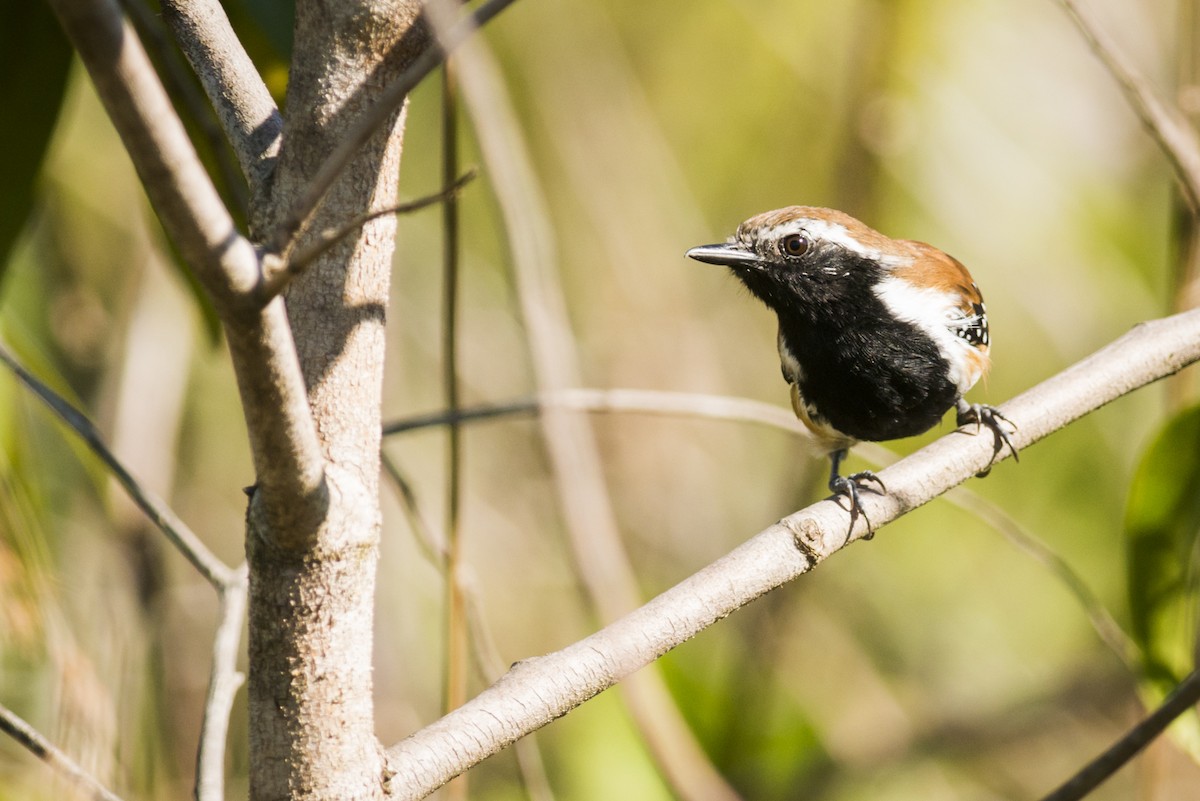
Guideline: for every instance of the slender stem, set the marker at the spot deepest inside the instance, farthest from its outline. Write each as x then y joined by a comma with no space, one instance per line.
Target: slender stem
643,401
457,636
49,753
486,653
216,572
1167,124
194,105
179,187
1185,696
278,273
600,559
223,683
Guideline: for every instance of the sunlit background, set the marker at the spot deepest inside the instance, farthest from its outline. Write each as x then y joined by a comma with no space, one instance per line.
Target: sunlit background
938,661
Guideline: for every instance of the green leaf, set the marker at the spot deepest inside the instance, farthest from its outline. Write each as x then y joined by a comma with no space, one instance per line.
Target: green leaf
34,61
1162,524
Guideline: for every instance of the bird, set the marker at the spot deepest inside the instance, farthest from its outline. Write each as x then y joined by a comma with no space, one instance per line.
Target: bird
878,337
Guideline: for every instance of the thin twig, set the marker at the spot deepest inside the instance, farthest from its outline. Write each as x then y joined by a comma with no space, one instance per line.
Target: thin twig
223,683
1167,125
1102,621
539,690
1185,696
642,401
293,223
49,753
432,545
457,643
278,272
216,572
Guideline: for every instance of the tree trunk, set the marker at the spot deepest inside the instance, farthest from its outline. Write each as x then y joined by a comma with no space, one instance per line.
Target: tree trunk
312,589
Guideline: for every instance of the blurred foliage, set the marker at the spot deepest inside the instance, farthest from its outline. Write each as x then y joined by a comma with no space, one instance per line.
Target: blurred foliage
936,662
1162,527
34,56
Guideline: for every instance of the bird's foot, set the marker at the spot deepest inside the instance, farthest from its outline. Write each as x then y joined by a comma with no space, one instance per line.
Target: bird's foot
849,487
983,415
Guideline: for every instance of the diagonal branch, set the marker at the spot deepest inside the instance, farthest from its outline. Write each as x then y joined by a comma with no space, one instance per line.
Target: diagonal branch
538,690
488,660
49,753
277,273
178,185
1166,123
179,84
297,218
288,461
216,572
1185,696
243,105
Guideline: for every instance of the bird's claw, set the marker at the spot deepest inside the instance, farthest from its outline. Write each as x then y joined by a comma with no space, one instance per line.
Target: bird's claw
849,487
982,415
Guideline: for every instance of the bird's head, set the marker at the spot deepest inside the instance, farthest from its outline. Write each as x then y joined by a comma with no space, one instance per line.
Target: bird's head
836,274
806,254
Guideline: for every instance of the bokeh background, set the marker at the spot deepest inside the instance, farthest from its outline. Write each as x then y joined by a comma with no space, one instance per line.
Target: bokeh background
938,661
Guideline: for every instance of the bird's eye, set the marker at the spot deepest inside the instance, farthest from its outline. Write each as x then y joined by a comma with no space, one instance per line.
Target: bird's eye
794,245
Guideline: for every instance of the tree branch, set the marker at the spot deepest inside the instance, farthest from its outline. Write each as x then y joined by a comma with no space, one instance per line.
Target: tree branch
230,584
214,571
178,80
644,401
538,690
223,683
278,273
49,753
483,645
292,224
1168,126
179,188
240,98
1185,696
288,461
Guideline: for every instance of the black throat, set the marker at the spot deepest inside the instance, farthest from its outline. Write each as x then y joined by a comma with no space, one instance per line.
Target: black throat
865,372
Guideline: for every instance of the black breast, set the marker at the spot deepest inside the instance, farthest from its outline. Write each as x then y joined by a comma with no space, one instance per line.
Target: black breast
869,375
876,381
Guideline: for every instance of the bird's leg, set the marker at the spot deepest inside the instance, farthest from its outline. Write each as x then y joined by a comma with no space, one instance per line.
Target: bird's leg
983,415
849,488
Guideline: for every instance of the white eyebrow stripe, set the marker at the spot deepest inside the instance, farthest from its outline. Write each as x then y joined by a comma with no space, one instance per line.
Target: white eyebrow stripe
836,234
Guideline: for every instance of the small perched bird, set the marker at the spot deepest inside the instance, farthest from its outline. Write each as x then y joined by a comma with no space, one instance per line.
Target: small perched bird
878,337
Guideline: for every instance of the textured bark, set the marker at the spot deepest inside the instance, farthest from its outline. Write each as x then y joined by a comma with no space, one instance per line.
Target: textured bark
312,590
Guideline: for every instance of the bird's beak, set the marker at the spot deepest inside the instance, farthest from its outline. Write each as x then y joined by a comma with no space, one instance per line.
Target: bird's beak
725,254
